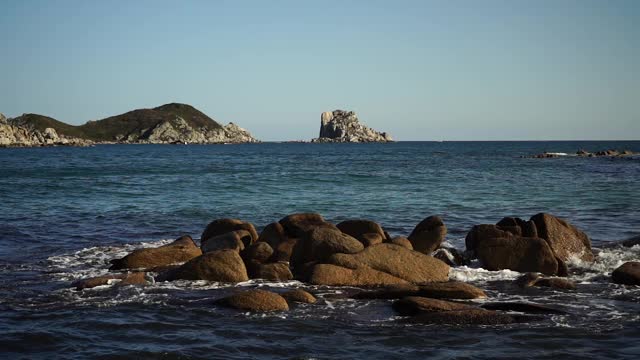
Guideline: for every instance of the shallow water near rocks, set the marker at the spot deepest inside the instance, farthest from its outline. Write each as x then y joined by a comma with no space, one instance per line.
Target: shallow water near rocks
65,212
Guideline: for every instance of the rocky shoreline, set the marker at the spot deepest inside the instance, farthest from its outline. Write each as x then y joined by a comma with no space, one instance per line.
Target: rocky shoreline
363,259
584,153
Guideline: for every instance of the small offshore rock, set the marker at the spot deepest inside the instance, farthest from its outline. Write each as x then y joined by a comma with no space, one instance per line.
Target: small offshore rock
344,126
521,307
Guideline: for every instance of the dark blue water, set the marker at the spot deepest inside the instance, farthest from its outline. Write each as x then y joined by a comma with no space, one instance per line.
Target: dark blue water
64,212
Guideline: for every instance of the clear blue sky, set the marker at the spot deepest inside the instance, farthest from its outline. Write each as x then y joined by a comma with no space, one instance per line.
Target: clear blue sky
421,70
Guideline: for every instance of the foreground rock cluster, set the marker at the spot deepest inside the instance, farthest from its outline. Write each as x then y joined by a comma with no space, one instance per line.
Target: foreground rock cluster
361,254
344,126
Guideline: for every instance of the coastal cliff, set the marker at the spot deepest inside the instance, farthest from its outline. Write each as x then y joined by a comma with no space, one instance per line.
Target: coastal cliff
344,126
166,124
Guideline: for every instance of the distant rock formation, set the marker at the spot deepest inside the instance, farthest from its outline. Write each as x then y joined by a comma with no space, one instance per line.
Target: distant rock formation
584,153
14,134
167,124
343,126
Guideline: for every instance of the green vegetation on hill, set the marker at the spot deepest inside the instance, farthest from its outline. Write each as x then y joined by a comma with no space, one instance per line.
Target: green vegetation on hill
114,127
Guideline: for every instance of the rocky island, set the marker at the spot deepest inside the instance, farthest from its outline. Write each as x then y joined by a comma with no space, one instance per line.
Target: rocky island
344,126
167,124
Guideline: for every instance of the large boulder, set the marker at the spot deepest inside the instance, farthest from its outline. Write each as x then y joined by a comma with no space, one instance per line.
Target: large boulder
480,233
321,242
427,236
395,260
234,240
627,274
181,250
518,254
364,276
565,239
223,226
361,230
255,300
413,305
221,265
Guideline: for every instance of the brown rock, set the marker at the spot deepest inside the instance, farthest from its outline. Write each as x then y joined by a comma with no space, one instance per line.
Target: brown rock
358,228
223,226
333,275
401,241
370,239
397,261
451,290
297,225
449,256
255,300
233,240
322,242
181,250
627,274
299,295
565,239
518,254
259,251
480,233
278,271
428,235
413,305
273,234
527,280
221,265
284,250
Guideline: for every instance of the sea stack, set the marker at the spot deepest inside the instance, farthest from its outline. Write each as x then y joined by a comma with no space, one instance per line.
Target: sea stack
344,126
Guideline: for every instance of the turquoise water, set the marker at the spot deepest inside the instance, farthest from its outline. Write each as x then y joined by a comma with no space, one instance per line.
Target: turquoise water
64,212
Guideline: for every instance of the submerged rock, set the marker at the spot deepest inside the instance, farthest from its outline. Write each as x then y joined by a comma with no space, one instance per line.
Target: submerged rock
134,278
344,126
521,307
413,305
472,316
300,296
627,274
181,250
255,300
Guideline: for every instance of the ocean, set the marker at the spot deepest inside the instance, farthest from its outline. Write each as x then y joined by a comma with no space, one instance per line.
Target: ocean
65,212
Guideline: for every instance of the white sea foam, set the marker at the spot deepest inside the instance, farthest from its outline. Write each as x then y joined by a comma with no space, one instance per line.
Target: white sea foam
477,274
606,260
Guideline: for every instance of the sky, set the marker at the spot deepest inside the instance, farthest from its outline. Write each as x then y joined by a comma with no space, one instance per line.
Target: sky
419,70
